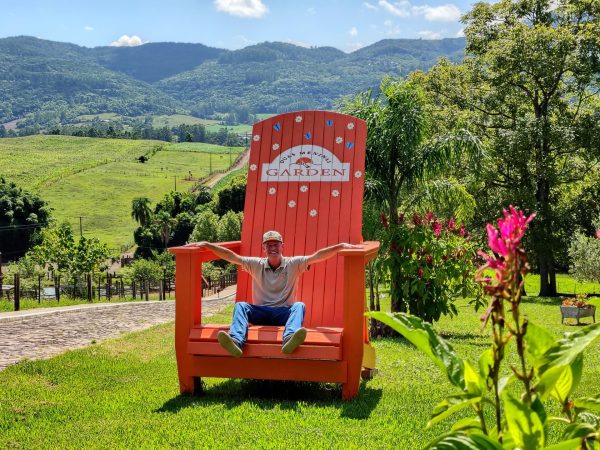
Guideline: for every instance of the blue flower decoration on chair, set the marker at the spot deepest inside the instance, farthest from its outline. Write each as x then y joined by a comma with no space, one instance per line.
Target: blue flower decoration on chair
308,135
329,123
349,145
277,126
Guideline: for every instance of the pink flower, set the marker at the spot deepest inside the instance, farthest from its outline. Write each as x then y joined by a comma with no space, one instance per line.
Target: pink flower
462,231
511,229
451,224
420,272
597,234
437,229
416,219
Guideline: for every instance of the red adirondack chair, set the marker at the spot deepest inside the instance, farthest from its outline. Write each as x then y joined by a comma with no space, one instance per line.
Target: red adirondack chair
305,179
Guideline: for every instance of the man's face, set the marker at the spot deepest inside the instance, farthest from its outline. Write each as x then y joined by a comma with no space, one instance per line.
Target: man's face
273,249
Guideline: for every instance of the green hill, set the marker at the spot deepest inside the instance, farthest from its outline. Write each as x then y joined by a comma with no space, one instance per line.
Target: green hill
97,178
52,82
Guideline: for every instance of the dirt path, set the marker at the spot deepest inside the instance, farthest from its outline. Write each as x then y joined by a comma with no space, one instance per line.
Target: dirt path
210,182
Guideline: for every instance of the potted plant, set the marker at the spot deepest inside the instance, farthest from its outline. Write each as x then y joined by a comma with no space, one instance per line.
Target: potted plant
577,308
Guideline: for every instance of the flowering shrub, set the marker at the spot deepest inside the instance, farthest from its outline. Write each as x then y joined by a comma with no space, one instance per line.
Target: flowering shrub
431,262
545,367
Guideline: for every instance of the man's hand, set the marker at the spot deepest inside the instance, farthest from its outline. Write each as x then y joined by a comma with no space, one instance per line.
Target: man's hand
346,246
201,244
221,252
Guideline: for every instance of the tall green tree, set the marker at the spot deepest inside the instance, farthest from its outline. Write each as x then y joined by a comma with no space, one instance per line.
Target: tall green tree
140,210
529,86
165,224
22,215
403,148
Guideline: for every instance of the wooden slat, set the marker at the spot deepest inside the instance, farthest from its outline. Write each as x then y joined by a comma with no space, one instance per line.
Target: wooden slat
268,351
269,369
269,334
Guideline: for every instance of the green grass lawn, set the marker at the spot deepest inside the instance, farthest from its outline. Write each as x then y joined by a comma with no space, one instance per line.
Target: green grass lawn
98,178
123,393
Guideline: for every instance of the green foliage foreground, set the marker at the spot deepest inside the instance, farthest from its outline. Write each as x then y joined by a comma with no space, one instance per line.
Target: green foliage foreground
123,393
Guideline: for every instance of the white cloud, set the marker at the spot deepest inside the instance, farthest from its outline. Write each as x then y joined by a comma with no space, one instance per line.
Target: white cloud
88,28
354,46
391,29
370,6
242,8
353,31
442,13
430,34
126,41
460,33
400,9
298,43
311,11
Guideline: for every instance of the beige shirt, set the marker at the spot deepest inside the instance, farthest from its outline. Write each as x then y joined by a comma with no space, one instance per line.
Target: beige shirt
274,287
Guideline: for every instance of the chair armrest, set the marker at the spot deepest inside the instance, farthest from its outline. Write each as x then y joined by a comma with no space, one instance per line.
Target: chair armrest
204,253
368,251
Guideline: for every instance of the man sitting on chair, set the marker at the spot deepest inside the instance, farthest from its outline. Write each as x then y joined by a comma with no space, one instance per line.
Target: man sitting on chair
274,281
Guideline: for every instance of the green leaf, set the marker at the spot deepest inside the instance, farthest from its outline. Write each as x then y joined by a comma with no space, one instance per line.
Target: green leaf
524,424
474,384
462,441
591,403
468,423
571,444
486,362
568,380
568,348
449,406
537,341
422,336
558,357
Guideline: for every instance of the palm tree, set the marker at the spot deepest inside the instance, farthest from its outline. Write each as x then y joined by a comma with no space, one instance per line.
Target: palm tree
140,210
165,223
403,149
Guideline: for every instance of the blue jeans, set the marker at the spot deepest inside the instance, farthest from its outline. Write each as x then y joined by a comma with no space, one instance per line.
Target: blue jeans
245,313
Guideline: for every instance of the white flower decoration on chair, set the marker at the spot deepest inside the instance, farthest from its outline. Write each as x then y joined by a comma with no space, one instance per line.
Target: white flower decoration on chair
272,191
256,137
303,188
339,140
298,119
358,174
253,167
275,146
313,212
335,193
292,204
350,125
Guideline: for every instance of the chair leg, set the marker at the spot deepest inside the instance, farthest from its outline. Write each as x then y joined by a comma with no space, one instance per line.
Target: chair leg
351,386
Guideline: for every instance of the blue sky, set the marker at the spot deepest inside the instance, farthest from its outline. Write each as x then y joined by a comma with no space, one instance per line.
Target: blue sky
232,24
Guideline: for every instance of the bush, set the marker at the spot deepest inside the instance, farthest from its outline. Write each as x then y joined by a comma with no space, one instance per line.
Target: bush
230,227
585,256
207,223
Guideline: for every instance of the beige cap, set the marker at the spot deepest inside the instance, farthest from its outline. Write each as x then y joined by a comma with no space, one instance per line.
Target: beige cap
272,236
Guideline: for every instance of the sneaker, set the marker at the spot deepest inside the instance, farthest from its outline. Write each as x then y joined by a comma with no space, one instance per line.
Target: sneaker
229,344
292,342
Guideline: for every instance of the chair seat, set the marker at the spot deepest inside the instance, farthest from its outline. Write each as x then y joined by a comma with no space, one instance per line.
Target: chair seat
265,342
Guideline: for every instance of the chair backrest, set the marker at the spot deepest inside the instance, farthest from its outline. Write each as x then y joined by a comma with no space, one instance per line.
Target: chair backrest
306,180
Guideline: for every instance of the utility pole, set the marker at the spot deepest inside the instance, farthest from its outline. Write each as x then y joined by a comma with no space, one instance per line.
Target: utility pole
80,226
210,163
175,179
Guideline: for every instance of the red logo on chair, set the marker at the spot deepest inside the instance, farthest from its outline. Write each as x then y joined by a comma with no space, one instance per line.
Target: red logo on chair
305,163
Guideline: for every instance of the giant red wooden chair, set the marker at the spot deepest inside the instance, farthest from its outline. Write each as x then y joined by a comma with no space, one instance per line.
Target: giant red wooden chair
305,179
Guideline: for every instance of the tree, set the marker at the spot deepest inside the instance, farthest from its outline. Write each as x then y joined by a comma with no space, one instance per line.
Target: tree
230,227
529,86
140,210
164,223
22,215
207,223
232,196
403,149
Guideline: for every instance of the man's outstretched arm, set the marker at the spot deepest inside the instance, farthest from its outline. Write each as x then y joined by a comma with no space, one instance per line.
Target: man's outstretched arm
328,252
221,252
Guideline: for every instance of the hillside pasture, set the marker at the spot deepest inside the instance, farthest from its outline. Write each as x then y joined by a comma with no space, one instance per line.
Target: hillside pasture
174,120
97,178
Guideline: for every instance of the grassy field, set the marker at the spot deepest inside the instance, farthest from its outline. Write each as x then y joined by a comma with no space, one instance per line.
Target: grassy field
101,116
98,178
179,119
123,393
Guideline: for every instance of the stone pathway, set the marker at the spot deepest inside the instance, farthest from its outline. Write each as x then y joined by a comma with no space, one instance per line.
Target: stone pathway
45,333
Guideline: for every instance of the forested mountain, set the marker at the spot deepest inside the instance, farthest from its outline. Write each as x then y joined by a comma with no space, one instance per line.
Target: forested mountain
52,81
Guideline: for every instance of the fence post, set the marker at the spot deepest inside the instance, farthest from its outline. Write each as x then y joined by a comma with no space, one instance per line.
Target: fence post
147,283
99,285
17,295
57,287
108,286
133,288
89,286
39,288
